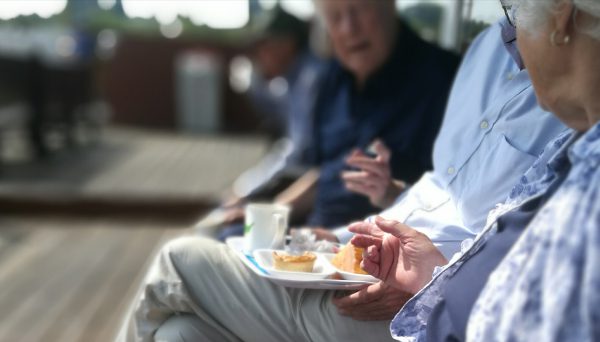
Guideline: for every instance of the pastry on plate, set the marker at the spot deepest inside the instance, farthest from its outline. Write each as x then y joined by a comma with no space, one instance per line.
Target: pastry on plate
294,263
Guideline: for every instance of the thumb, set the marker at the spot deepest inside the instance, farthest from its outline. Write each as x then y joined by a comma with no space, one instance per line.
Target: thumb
382,151
395,228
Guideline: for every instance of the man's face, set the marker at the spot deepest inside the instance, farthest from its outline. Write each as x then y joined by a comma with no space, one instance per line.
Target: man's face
274,55
361,32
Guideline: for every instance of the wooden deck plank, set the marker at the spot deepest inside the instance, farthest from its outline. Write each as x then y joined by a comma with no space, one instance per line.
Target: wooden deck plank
72,284
109,317
138,164
32,302
69,327
77,284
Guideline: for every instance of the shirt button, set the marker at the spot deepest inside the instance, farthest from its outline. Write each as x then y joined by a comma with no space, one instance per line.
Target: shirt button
510,76
484,124
451,170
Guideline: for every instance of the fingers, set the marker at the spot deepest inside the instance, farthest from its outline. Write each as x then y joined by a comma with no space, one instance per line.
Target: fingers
383,153
371,262
365,241
374,166
373,303
364,183
395,228
360,188
363,179
365,228
363,296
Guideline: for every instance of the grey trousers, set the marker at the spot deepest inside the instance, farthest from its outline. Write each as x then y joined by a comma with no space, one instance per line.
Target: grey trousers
198,290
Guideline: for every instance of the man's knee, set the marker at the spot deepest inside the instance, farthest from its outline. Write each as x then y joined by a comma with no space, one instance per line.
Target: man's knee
180,328
194,253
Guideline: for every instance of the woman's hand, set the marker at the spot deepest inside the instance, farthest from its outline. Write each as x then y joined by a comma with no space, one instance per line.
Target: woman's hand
397,254
374,179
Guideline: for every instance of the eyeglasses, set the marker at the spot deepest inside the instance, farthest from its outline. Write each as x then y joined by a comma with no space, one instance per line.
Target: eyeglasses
510,13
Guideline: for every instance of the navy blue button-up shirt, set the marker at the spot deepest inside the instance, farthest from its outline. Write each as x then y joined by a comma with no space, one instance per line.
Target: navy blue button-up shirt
402,104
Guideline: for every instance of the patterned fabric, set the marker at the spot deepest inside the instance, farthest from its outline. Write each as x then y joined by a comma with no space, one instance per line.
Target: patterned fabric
410,323
548,286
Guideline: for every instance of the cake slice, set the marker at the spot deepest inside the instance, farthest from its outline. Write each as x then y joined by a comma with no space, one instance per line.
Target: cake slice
348,259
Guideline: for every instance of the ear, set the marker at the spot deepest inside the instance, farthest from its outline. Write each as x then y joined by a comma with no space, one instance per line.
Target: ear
562,17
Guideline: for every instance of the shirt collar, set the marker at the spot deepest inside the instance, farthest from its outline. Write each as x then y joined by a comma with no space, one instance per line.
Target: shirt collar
587,147
509,37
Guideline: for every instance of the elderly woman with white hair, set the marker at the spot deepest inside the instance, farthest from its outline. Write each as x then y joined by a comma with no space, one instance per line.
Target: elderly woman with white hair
534,273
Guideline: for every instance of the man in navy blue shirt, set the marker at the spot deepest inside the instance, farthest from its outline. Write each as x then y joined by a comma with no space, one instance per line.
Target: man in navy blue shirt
386,83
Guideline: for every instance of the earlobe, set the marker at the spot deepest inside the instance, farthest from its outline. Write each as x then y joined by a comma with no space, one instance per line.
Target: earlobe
563,24
558,42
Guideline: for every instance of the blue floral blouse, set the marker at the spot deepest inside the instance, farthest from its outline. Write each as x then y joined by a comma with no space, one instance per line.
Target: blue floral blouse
548,286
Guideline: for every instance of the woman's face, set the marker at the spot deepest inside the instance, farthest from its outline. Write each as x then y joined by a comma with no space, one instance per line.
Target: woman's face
553,68
543,64
361,33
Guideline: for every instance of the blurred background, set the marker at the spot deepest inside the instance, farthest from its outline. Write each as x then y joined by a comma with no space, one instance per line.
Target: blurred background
122,122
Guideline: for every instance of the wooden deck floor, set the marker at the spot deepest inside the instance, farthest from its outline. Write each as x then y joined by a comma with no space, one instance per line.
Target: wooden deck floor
70,277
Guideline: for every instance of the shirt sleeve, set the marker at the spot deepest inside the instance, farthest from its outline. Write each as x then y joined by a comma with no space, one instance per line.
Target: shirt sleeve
343,235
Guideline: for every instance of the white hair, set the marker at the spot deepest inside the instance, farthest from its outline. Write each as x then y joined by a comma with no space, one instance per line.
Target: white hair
532,14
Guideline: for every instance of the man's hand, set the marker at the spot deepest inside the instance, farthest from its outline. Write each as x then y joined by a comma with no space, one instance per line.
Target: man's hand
376,302
397,254
374,179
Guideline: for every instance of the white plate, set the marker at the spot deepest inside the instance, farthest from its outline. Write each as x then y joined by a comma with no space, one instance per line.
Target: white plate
349,275
321,270
236,243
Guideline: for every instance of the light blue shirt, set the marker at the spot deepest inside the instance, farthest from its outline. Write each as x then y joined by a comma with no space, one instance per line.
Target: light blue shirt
492,132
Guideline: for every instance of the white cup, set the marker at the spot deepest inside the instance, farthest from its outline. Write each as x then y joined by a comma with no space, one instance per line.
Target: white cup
265,226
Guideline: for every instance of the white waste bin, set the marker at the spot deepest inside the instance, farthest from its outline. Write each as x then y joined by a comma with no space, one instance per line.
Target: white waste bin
198,93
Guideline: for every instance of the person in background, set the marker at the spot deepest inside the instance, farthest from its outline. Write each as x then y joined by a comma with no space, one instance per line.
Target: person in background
285,83
534,272
195,288
385,84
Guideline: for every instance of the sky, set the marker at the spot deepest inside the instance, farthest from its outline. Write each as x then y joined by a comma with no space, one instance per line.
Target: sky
214,13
